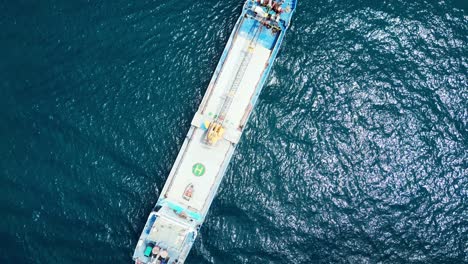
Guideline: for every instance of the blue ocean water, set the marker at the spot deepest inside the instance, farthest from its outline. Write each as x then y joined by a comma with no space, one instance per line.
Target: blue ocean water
356,152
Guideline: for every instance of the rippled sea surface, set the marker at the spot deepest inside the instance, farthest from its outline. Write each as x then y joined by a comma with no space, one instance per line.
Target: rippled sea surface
357,151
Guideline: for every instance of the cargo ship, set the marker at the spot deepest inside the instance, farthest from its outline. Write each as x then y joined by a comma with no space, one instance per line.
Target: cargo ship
215,130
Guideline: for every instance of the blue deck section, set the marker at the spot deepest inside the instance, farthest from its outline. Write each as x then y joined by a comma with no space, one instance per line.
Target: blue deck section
286,16
267,38
248,27
180,210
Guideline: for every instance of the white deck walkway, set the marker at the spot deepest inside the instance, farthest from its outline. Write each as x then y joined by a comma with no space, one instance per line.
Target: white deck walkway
213,158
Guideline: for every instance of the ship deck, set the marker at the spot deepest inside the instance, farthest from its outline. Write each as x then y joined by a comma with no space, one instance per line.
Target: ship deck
198,163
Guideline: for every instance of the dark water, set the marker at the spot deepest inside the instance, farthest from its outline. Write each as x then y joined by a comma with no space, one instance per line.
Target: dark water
357,151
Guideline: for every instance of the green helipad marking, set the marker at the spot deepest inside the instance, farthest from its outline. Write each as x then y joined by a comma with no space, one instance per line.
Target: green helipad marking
198,169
